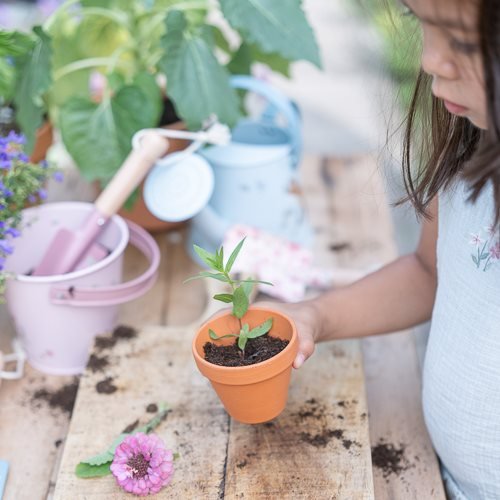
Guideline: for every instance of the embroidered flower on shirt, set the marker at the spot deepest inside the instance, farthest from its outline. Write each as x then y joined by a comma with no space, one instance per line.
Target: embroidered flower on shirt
488,248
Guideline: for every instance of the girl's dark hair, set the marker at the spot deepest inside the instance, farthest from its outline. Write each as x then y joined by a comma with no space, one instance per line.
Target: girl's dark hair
451,145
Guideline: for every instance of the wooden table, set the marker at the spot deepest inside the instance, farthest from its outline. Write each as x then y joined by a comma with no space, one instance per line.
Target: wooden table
351,401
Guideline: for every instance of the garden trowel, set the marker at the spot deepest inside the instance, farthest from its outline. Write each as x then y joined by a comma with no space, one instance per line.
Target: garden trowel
69,247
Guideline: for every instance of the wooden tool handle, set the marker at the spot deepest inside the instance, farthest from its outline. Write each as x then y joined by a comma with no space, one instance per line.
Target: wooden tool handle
131,173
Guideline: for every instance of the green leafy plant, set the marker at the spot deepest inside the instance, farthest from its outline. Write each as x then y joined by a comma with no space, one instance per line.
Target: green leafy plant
241,290
129,48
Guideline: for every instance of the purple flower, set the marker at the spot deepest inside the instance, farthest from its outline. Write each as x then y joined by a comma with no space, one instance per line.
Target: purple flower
58,176
5,164
42,193
47,7
12,231
142,465
31,198
5,247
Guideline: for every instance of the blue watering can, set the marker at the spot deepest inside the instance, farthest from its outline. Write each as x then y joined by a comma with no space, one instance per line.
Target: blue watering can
252,176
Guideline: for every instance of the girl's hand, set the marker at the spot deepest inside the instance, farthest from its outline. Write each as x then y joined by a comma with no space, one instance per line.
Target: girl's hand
307,320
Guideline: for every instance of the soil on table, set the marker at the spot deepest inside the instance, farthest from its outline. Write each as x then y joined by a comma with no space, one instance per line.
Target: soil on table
62,399
389,458
256,351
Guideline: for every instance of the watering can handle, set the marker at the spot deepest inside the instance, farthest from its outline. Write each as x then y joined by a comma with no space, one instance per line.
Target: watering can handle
281,103
114,294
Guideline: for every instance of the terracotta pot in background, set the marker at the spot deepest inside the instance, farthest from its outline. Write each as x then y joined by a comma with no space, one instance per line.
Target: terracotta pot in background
256,393
44,138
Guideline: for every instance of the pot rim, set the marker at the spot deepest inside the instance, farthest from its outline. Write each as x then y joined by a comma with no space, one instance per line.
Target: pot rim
242,375
76,206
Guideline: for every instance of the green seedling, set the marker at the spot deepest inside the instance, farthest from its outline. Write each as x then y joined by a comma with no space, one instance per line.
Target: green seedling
240,297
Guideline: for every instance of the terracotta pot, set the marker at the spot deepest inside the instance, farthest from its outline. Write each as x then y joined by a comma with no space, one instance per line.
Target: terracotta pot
44,137
256,393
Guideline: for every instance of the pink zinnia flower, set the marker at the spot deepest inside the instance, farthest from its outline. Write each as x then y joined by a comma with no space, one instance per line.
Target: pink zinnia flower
142,465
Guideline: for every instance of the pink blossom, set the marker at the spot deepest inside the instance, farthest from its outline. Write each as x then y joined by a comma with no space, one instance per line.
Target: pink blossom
495,251
476,240
142,465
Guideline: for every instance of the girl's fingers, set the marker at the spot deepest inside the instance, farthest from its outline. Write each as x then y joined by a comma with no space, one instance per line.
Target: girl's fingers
306,348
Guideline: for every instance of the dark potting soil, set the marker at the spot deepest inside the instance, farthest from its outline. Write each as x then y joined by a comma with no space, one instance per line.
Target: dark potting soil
131,427
62,399
389,458
152,408
97,363
256,351
121,332
106,386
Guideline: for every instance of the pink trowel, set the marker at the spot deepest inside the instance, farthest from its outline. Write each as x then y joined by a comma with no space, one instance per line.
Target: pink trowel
69,246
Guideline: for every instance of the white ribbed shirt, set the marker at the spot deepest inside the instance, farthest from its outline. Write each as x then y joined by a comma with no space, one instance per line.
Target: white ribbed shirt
461,378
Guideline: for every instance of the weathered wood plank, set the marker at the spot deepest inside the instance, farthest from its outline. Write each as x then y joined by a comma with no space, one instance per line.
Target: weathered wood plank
154,367
319,446
31,432
363,221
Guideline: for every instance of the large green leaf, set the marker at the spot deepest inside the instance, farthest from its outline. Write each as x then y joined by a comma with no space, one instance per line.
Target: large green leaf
148,85
98,135
7,80
276,26
34,80
247,54
196,82
14,43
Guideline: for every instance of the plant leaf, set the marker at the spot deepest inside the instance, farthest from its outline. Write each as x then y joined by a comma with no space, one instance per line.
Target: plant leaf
261,329
198,85
242,342
276,27
100,459
209,259
34,79
474,258
14,43
206,274
240,302
98,135
247,54
214,336
247,288
224,297
147,83
255,281
233,255
485,255
84,470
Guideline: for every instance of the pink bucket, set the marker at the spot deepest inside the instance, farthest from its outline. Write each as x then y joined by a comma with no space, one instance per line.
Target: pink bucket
57,317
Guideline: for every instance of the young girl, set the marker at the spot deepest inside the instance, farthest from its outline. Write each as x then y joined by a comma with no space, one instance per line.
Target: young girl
454,275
